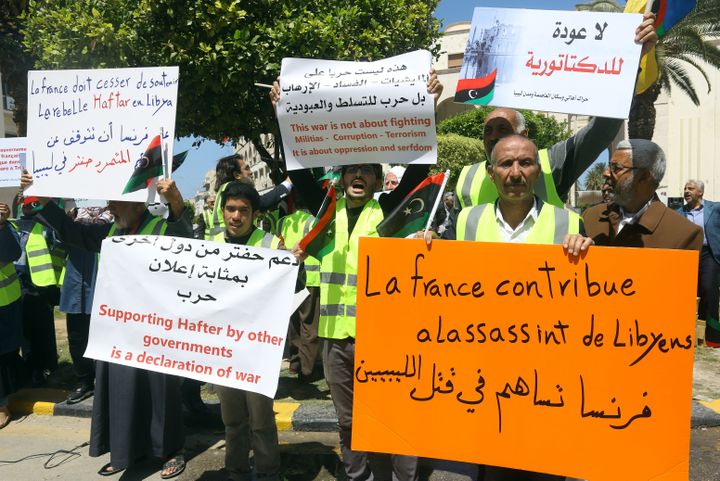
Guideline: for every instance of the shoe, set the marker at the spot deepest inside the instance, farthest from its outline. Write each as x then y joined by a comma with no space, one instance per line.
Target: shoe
5,416
38,377
81,393
174,466
108,470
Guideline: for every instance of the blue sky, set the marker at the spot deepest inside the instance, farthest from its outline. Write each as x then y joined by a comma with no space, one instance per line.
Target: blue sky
190,176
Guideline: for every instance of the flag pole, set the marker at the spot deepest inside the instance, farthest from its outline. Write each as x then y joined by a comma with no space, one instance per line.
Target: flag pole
164,153
649,5
437,201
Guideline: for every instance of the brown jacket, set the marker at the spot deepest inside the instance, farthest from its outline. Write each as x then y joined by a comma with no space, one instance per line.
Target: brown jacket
658,227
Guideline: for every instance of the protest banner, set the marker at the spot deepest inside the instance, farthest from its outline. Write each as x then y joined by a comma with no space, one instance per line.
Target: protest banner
338,113
551,60
88,129
525,359
10,150
203,310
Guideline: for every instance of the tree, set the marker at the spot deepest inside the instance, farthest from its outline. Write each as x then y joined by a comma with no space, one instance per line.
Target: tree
454,152
14,61
544,131
594,179
223,47
687,46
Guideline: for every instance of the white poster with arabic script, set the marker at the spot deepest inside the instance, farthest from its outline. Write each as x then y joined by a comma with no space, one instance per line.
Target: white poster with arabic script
338,113
204,310
88,129
549,60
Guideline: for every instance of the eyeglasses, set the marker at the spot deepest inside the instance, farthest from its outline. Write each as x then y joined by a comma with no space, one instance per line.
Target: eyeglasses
617,168
391,182
365,169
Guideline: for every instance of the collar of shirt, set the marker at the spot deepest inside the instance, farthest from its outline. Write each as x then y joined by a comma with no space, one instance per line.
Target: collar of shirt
631,218
521,232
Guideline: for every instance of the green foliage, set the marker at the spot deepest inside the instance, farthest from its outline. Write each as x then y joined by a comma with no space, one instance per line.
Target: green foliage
544,131
223,47
456,151
594,179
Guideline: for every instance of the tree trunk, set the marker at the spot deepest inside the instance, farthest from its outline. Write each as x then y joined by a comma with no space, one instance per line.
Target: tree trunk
641,124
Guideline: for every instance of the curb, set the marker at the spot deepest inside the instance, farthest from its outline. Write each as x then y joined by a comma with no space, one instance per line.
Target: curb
315,416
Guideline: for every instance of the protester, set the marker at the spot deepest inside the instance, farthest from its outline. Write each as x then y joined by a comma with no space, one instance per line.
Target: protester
563,163
249,417
10,313
446,216
76,296
135,412
636,217
39,268
704,214
393,177
519,216
357,214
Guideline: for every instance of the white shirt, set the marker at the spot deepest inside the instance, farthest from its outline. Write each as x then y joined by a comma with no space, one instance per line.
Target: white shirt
630,218
520,234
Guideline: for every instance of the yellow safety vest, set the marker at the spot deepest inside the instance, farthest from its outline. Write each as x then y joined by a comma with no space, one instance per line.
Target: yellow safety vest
474,187
45,264
208,219
259,238
9,282
271,218
155,226
216,224
479,223
338,271
292,228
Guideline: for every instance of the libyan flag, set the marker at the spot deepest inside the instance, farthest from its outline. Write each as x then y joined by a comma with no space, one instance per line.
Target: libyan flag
147,167
413,212
320,241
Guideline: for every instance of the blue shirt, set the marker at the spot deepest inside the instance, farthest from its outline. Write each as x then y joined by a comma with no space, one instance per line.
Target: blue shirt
697,217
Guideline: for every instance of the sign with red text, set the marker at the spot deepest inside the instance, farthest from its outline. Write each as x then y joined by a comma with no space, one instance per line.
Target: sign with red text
11,149
338,113
526,359
209,311
88,129
551,60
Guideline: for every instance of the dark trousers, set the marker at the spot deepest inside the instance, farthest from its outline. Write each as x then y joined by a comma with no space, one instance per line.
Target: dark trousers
494,473
40,348
78,329
303,334
709,293
339,362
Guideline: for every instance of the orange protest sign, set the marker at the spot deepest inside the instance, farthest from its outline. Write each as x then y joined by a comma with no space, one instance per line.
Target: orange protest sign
512,355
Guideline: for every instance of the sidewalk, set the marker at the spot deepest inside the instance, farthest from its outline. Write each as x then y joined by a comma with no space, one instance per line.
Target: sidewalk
306,408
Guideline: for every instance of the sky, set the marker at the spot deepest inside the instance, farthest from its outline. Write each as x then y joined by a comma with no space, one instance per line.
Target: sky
190,176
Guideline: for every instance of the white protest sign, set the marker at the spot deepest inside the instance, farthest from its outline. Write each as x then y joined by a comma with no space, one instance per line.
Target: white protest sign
204,310
88,128
338,113
10,150
549,60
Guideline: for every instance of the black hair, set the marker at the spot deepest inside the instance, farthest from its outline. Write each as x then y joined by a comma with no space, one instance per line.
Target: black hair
226,168
241,190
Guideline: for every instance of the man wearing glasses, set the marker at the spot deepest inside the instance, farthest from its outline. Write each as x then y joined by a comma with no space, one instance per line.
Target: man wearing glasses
636,217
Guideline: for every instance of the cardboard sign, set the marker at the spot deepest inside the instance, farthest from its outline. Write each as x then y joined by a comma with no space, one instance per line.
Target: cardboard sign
512,355
87,129
205,310
551,60
337,113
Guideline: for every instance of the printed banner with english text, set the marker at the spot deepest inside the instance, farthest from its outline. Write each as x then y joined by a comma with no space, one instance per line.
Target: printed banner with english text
203,310
88,129
337,113
526,359
551,60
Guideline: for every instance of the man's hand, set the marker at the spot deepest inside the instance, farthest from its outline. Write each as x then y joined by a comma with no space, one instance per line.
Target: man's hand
168,189
428,235
645,33
275,94
575,244
4,214
26,181
434,86
299,254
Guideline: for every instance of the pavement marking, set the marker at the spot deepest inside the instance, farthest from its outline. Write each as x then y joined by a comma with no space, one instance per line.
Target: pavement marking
283,415
31,407
714,405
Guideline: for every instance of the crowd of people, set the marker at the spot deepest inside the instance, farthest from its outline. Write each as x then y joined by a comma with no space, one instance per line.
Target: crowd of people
49,257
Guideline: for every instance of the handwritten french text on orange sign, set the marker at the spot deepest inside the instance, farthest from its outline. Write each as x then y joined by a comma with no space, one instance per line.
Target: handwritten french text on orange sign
513,355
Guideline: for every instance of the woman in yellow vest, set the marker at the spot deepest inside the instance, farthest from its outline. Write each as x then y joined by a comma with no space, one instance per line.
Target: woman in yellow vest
10,313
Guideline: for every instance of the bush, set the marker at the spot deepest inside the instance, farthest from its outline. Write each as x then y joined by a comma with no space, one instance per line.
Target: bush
456,151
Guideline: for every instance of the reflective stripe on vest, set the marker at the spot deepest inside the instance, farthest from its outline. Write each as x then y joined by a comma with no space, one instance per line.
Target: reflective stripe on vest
292,228
338,271
258,238
217,222
479,223
45,265
9,284
474,187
